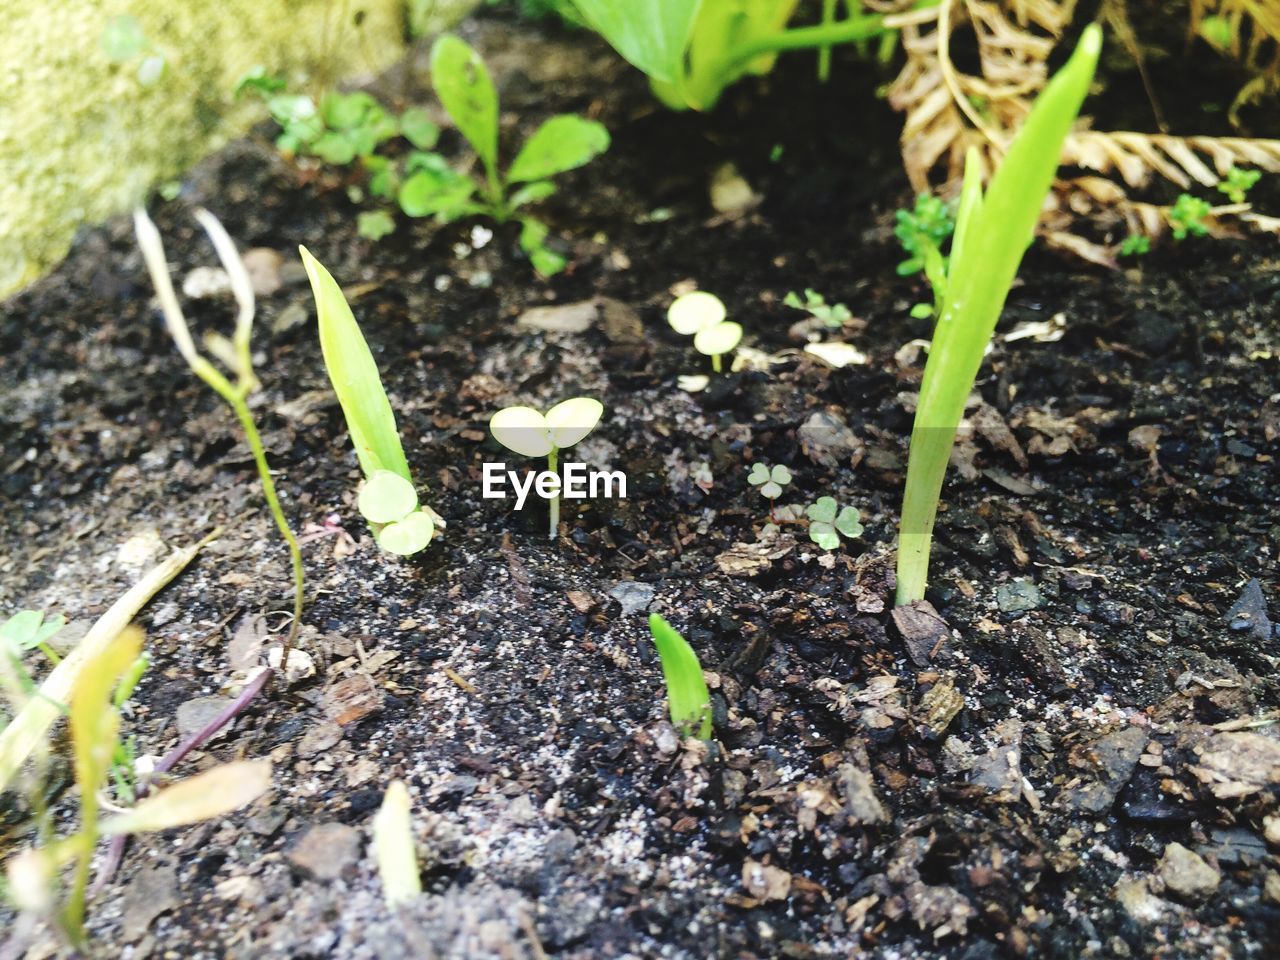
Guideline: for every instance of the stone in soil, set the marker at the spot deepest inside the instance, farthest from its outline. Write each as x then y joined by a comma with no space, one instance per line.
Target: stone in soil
326,851
1186,875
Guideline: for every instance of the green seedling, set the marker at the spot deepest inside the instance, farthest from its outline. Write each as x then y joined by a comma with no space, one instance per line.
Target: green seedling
33,875
1135,245
562,143
388,500
530,433
769,481
992,233
393,846
688,699
702,316
692,50
922,232
29,630
236,354
832,315
1238,183
1186,217
828,521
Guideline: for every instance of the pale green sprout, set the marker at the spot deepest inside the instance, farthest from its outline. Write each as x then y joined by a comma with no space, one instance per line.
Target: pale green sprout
769,480
530,433
393,846
827,521
388,500
702,316
29,630
992,232
688,699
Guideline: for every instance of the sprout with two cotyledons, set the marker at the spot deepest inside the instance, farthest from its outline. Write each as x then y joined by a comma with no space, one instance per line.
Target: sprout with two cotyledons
702,316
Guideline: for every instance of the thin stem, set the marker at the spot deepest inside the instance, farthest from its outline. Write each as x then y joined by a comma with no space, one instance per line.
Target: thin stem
824,52
552,460
715,362
269,491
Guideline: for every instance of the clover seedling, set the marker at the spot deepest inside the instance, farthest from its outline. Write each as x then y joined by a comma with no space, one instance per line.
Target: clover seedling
770,481
827,521
702,316
530,433
388,499
1135,245
688,699
1238,183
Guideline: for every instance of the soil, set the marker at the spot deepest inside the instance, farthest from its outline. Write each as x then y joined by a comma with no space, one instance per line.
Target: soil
1016,783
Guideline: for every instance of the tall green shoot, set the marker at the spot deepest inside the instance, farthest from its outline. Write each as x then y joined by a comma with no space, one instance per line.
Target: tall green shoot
992,233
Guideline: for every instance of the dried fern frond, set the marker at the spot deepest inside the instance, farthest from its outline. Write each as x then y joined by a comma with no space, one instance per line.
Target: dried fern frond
1136,156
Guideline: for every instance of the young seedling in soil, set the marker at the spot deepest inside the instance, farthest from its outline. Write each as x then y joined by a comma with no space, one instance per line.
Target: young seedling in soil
769,481
1135,245
702,316
33,876
236,355
832,315
688,699
828,521
1186,217
532,434
393,846
1237,183
992,233
922,233
562,143
388,500
692,50
29,630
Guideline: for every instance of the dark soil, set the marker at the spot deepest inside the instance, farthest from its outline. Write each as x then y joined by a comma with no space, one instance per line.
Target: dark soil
1009,791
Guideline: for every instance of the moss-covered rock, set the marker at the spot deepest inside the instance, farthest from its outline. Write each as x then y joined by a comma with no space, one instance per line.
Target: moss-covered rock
84,136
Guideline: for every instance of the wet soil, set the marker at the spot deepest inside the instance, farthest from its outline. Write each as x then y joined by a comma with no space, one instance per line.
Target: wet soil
1009,787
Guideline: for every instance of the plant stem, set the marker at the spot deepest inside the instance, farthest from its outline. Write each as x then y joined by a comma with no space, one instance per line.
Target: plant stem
715,362
241,408
802,38
552,459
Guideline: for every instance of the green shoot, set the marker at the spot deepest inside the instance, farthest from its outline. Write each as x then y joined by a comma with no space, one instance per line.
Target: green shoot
992,233
1186,217
1135,245
688,699
832,315
388,500
828,521
769,482
393,846
29,630
1238,183
922,233
562,143
702,316
530,433
237,354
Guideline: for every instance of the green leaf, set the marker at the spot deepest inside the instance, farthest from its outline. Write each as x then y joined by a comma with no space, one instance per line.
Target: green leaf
780,474
123,38
375,224
848,522
533,235
354,375
651,34
466,90
260,82
531,193
344,111
824,535
406,537
386,497
991,239
687,696
335,148
561,143
718,339
443,194
822,510
759,474
417,127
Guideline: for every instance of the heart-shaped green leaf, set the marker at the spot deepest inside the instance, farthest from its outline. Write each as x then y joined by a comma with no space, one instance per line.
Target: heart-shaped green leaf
823,510
848,522
824,535
759,474
780,474
771,491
